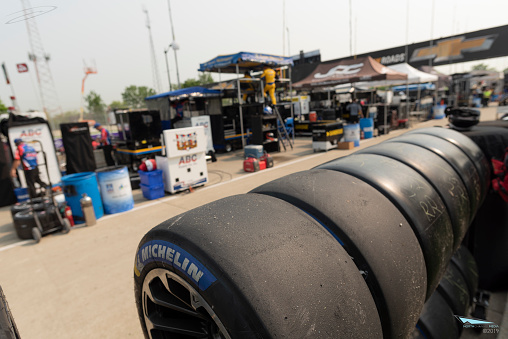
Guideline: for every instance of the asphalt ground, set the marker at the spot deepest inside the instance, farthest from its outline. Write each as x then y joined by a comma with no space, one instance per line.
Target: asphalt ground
80,285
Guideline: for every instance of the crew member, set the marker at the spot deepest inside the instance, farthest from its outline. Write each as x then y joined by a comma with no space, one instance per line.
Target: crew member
246,86
355,111
105,140
26,155
269,77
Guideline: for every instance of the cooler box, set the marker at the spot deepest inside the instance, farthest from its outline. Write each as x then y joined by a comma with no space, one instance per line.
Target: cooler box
253,151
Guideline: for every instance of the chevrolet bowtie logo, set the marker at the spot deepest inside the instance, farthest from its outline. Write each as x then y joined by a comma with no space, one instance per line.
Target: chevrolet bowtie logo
452,49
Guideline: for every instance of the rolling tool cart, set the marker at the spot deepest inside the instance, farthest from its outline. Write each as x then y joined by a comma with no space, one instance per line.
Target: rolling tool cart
41,218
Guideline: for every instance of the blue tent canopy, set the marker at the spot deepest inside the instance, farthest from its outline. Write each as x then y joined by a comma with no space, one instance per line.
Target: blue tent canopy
414,87
195,91
245,61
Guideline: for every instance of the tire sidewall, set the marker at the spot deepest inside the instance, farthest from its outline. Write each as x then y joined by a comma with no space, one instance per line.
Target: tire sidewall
224,298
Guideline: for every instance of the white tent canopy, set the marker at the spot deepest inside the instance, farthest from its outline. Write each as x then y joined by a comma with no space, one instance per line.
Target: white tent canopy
414,76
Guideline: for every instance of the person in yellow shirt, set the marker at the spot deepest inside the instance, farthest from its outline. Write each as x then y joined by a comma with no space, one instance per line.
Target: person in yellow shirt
269,78
246,86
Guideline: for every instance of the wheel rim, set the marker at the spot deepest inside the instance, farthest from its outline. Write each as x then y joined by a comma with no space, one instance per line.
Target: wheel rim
173,308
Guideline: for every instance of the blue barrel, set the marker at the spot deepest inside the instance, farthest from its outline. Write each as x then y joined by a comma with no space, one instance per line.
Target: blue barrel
367,126
439,111
116,191
352,133
74,185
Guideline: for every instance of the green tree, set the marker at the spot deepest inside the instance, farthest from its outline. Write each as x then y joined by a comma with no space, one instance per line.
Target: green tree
482,67
190,83
505,70
134,96
96,107
3,108
203,79
117,105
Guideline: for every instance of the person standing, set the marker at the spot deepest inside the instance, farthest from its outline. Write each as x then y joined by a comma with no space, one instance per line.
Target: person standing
355,111
105,140
487,93
27,156
246,86
269,77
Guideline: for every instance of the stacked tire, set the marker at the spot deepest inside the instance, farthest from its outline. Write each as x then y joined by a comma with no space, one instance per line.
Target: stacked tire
352,248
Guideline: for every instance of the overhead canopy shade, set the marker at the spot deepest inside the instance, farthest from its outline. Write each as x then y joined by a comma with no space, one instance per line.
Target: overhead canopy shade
350,70
245,61
414,76
195,91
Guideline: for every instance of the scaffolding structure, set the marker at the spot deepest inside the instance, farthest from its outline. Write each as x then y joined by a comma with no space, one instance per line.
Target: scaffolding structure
155,68
40,58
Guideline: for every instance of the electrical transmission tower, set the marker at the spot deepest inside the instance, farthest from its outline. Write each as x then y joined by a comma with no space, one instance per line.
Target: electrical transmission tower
155,69
40,59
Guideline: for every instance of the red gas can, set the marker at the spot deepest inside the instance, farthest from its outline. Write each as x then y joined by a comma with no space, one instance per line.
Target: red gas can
251,165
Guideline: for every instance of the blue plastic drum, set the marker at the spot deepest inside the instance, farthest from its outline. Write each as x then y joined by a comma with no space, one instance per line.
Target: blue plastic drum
116,191
367,126
74,185
352,133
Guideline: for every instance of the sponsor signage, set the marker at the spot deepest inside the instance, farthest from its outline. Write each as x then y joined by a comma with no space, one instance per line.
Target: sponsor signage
477,45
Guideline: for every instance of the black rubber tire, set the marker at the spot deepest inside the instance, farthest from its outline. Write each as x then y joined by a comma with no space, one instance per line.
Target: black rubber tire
469,147
8,329
36,234
372,231
268,270
437,320
66,226
38,205
464,261
416,200
24,221
456,158
445,180
453,288
269,162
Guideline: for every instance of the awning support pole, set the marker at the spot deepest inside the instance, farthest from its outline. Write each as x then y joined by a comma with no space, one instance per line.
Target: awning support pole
240,103
291,100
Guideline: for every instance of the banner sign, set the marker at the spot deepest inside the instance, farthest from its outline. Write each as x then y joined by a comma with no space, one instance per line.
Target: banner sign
477,45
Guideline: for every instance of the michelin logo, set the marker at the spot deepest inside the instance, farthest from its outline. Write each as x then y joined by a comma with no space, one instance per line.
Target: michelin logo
175,256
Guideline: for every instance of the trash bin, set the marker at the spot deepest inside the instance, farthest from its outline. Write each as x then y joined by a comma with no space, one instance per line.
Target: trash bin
74,185
115,188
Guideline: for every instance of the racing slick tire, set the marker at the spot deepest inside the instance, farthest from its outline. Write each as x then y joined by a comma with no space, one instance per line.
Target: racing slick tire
373,232
415,198
445,180
249,266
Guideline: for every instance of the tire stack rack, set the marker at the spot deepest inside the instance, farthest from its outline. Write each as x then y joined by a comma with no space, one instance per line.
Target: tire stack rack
367,246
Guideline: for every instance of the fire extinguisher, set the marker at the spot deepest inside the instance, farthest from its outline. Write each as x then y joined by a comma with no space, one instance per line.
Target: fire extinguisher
68,215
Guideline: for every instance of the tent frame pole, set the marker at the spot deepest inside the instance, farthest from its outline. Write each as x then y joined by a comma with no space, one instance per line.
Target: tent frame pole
240,103
291,102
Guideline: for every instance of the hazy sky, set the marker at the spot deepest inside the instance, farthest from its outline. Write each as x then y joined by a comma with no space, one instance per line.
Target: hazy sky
113,33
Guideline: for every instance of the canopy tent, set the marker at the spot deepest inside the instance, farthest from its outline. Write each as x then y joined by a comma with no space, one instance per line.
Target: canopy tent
244,61
195,91
414,76
350,70
241,62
